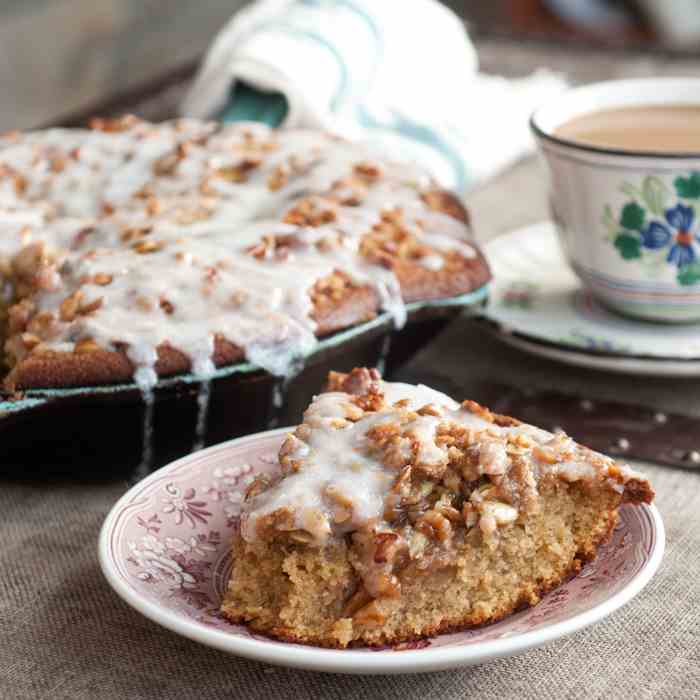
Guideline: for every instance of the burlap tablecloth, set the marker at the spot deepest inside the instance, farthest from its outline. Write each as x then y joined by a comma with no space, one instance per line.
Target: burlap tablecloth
65,634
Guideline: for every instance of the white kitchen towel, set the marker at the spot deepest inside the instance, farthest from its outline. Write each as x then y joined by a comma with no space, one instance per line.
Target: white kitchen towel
401,75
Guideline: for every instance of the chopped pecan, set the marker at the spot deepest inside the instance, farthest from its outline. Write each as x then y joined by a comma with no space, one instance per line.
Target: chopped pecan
367,171
371,400
435,525
42,324
89,307
153,206
240,171
384,584
478,410
469,514
339,498
19,315
86,345
83,235
445,203
430,410
402,484
357,601
134,233
370,615
311,212
274,246
520,440
452,514
301,537
544,454
148,246
333,287
257,486
57,164
123,123
70,306
167,306
102,279
29,341
20,183
29,259
278,179
385,546
238,298
167,165
356,382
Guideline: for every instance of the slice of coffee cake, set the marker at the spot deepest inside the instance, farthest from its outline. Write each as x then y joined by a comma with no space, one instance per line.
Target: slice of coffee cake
399,513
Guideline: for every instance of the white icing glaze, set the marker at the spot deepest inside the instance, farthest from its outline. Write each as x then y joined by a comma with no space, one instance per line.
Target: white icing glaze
81,192
493,458
200,431
340,470
340,459
575,471
432,262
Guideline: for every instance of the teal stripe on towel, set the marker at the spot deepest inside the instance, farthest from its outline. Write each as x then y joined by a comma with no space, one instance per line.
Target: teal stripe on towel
247,104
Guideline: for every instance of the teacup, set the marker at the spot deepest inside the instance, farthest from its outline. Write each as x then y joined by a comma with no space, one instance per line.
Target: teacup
629,221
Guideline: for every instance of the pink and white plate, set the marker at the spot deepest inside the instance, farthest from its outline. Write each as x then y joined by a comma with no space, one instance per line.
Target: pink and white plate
164,548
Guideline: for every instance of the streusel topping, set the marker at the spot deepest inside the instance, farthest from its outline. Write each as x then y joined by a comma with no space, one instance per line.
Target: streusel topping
383,457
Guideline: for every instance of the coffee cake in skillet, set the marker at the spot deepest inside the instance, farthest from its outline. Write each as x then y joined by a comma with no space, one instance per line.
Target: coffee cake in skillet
399,513
137,250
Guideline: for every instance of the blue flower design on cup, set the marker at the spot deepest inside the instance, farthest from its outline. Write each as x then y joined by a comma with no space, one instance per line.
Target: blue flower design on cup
678,234
649,224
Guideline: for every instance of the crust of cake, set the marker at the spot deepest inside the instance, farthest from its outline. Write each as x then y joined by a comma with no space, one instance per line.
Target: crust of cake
337,308
525,595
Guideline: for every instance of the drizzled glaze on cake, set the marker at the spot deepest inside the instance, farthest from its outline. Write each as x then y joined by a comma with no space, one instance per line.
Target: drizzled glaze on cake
345,468
174,233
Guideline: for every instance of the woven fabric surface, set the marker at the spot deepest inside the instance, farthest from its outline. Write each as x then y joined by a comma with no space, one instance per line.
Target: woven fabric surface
65,634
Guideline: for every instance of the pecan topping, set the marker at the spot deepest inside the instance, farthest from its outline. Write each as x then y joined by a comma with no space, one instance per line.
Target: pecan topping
278,179
370,615
86,345
368,171
148,246
167,306
311,212
70,307
102,279
240,171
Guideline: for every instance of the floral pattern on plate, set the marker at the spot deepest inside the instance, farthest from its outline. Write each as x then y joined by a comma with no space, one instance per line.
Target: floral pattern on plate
167,542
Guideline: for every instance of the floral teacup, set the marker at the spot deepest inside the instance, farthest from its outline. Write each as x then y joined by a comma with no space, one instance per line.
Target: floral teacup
629,221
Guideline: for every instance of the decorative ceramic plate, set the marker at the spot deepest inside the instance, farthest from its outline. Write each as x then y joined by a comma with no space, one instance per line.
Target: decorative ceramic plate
538,298
164,548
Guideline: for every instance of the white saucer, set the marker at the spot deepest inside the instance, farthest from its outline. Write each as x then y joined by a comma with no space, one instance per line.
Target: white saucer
627,365
165,549
538,304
